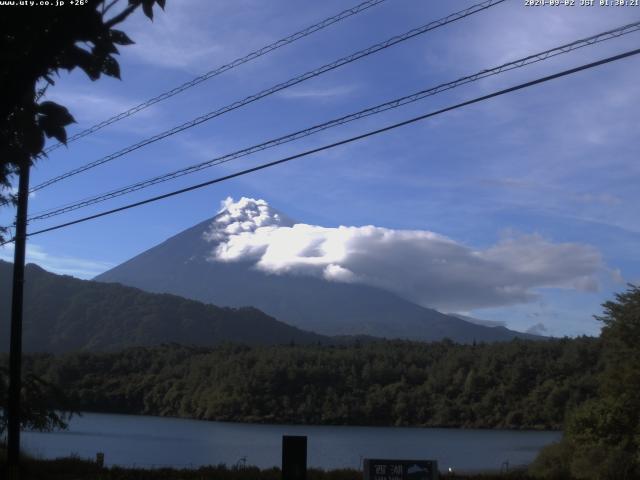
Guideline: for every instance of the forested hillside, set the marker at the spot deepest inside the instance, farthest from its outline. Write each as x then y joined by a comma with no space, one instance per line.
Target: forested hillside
519,384
63,313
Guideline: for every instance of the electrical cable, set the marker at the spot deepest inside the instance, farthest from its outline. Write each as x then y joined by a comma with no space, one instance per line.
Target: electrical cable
538,57
217,71
341,142
276,88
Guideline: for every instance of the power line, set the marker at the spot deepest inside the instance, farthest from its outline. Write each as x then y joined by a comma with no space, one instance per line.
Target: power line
600,37
276,88
342,142
217,71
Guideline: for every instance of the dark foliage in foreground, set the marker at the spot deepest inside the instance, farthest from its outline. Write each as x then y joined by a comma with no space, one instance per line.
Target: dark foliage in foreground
35,46
520,384
77,469
602,436
36,398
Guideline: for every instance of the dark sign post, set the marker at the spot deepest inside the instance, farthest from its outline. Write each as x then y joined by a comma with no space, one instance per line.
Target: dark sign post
294,457
377,469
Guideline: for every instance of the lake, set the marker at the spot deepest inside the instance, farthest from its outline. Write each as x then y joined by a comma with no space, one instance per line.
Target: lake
130,440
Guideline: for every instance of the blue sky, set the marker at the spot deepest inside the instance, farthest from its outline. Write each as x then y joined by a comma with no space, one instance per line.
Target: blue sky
556,162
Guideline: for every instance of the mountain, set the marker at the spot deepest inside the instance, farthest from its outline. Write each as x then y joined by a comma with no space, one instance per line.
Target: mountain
63,313
186,265
478,321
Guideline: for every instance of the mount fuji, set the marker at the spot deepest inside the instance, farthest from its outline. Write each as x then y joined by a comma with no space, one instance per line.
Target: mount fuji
250,254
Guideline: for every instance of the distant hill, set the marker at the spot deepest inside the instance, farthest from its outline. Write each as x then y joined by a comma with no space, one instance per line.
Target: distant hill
182,265
63,313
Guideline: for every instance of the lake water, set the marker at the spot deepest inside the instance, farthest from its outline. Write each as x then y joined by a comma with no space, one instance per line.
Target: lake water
129,440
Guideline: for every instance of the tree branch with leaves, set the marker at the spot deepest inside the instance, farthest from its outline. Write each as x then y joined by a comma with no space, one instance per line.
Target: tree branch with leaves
38,43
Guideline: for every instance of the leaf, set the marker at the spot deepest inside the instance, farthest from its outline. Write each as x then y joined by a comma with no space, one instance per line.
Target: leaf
119,37
161,3
147,8
57,114
48,126
104,46
59,133
53,125
77,57
110,67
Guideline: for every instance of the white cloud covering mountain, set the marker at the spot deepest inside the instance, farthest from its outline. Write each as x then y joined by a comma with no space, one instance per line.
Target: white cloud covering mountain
422,266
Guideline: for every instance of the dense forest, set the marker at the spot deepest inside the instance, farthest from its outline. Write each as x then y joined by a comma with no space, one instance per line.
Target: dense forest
602,436
518,384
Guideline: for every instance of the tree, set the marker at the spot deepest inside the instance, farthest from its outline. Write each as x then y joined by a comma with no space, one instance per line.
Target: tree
38,42
621,345
38,396
602,436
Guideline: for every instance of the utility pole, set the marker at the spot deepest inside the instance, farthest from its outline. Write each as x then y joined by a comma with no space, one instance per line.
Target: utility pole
15,348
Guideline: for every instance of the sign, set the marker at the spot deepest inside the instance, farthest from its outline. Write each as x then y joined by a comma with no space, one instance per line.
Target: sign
377,469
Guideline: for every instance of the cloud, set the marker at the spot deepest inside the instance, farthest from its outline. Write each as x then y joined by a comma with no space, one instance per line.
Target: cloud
538,329
245,215
173,50
616,276
12,190
64,265
181,38
317,93
599,198
422,266
478,321
89,107
512,31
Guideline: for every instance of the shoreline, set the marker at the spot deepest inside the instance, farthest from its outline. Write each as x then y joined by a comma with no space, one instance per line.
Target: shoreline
471,451
333,425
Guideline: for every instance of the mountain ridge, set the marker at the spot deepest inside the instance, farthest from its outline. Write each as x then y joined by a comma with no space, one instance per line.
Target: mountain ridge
63,314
